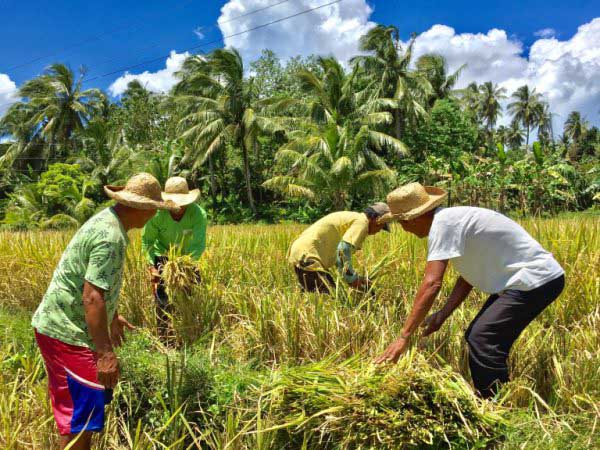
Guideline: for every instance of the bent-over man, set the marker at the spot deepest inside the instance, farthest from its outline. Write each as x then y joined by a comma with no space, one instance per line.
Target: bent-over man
332,240
491,253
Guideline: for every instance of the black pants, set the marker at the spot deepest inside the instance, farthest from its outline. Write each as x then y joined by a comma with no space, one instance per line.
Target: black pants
314,281
164,308
496,327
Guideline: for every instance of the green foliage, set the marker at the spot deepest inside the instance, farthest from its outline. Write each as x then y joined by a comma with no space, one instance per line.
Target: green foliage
231,127
57,200
447,133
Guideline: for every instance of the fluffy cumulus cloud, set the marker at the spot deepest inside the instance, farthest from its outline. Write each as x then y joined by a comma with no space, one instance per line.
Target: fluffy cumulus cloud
8,92
545,33
334,29
160,81
565,72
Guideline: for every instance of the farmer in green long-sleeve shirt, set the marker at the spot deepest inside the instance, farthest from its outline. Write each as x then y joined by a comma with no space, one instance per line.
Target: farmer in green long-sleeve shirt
185,228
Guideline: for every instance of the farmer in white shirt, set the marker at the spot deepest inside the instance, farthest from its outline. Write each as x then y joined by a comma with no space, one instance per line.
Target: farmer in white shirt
491,253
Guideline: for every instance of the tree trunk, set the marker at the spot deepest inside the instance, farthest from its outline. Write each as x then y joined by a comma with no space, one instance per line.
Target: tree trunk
213,182
527,142
397,124
247,177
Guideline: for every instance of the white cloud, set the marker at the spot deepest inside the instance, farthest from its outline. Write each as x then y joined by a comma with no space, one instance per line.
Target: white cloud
198,32
545,33
8,92
332,30
160,81
565,72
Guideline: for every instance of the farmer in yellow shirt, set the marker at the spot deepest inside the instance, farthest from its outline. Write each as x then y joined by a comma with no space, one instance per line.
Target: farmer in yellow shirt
332,240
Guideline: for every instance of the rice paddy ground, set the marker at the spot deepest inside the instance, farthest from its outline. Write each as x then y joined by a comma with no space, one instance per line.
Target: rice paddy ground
262,366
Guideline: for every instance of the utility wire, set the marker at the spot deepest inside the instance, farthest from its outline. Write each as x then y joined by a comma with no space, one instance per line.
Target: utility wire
206,29
195,47
157,44
97,37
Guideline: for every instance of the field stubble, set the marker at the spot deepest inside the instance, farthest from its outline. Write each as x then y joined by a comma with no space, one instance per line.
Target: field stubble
250,308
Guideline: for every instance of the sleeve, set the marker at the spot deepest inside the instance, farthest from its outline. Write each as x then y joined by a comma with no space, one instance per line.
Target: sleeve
445,241
149,237
198,242
105,264
344,262
356,233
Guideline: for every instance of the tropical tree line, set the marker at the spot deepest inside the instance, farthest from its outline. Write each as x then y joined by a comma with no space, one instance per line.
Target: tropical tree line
274,140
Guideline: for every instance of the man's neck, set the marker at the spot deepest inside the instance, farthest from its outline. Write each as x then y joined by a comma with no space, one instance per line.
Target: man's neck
124,218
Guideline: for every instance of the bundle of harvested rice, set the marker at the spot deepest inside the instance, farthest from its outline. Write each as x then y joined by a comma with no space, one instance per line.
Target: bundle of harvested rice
355,405
180,273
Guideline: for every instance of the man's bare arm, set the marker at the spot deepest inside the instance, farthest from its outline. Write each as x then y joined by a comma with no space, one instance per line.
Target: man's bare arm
428,291
96,319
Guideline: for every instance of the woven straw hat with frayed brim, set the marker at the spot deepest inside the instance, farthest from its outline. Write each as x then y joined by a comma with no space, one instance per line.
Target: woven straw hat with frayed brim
412,200
142,191
178,191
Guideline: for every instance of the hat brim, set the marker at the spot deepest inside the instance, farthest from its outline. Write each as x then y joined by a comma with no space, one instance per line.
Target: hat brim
127,198
182,199
437,196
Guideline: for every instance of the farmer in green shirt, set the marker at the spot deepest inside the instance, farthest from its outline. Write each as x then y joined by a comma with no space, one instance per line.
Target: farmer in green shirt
185,229
77,324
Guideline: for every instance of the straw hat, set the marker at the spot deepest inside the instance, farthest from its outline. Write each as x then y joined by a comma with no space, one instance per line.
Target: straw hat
177,190
142,191
412,200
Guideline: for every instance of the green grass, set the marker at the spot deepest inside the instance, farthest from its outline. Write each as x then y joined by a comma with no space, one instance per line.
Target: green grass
247,334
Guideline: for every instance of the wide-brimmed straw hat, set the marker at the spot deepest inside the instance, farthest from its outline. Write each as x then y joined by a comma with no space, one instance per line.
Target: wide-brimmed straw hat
412,200
177,190
142,191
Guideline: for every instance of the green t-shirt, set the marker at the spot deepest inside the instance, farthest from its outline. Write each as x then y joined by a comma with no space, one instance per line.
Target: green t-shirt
95,254
162,232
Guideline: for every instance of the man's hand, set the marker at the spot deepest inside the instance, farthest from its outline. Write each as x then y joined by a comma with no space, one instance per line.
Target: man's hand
117,330
361,284
154,275
108,369
433,323
393,352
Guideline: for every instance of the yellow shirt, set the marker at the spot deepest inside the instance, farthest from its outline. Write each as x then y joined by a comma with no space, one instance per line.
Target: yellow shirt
316,248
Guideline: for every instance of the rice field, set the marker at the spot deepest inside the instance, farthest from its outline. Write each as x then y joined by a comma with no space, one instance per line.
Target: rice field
262,366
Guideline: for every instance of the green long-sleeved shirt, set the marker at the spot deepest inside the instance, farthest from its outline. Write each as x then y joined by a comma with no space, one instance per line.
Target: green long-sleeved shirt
162,232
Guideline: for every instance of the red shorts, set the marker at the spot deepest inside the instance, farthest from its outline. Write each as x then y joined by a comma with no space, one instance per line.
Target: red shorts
78,400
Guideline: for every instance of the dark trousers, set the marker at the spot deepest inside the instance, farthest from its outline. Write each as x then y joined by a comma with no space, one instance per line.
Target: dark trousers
496,327
314,281
164,308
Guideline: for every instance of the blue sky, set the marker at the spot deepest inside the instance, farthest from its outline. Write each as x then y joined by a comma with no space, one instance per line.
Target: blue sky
108,35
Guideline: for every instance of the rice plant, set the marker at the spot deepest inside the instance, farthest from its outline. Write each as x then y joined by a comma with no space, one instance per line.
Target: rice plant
260,363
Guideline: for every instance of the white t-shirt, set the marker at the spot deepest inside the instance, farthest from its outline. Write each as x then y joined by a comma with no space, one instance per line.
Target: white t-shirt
489,250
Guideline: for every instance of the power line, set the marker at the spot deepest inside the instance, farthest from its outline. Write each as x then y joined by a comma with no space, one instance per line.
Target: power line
204,44
85,41
123,69
211,27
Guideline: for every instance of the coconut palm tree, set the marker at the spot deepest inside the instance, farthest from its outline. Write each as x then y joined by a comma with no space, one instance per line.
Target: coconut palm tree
334,154
221,110
489,103
515,135
434,68
575,127
60,105
575,130
25,142
545,129
387,68
331,164
525,109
